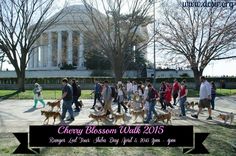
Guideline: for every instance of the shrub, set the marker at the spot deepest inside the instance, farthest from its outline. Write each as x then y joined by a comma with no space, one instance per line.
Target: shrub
100,73
184,75
104,77
66,66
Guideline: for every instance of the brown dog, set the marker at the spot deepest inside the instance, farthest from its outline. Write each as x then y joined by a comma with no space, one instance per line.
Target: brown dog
137,113
49,114
226,117
162,117
174,112
54,104
98,117
133,105
119,117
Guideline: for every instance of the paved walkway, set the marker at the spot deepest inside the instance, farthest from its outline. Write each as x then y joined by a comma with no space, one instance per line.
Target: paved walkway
17,115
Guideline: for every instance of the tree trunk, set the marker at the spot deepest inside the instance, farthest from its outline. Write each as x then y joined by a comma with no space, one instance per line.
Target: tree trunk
118,73
21,80
197,75
117,70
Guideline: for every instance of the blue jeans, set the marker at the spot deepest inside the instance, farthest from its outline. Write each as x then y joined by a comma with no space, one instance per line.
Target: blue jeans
67,105
151,109
162,102
75,101
182,106
213,96
129,95
97,96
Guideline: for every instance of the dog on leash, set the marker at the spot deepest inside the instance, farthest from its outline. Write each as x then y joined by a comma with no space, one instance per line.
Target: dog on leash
132,105
226,117
163,117
174,112
98,118
49,114
137,113
54,104
118,117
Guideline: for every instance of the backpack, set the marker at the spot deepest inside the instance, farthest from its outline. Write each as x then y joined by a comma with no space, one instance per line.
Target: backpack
79,91
100,89
124,95
113,92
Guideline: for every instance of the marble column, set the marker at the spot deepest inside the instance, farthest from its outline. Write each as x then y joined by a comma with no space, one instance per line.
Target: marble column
69,48
49,63
36,58
31,60
81,51
59,48
41,51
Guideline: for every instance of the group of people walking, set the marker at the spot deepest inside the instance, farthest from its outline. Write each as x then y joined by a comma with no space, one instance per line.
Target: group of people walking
138,93
143,94
70,95
148,96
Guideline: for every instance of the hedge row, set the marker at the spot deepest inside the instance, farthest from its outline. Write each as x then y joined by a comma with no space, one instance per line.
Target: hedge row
101,79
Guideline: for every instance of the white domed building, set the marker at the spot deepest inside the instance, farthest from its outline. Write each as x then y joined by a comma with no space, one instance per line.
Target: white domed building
64,42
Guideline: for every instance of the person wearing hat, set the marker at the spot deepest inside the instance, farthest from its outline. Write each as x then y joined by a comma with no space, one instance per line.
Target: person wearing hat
38,95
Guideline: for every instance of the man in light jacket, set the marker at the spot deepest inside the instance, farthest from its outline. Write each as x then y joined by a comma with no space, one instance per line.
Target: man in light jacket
205,97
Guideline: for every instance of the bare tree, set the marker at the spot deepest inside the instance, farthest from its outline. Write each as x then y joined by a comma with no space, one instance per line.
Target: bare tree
198,34
22,23
116,26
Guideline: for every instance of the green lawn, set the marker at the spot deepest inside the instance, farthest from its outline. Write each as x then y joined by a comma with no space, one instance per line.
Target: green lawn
54,94
220,92
226,92
47,94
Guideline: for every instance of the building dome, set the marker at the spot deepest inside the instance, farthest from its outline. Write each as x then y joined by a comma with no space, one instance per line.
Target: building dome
62,44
